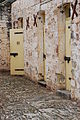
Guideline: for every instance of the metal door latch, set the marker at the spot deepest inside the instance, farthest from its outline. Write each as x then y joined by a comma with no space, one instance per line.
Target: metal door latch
67,59
69,27
44,56
14,54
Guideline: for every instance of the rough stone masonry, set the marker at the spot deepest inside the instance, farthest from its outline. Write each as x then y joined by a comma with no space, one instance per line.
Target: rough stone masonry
5,25
28,11
21,99
54,40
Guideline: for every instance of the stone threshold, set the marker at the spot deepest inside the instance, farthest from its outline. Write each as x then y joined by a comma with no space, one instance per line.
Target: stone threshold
42,83
64,94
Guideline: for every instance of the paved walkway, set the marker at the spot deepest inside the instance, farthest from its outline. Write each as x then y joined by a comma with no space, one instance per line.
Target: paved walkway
21,99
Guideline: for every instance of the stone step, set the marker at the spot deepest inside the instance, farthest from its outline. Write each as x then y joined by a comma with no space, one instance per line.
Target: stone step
42,82
64,94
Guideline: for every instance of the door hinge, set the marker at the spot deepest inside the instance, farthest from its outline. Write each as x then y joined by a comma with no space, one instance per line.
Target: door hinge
18,33
19,69
67,59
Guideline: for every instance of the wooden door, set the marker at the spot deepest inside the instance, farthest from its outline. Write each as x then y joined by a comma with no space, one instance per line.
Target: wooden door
16,52
68,54
41,37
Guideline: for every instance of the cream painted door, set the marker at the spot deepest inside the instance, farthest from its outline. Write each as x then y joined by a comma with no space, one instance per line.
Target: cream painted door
68,55
42,54
16,52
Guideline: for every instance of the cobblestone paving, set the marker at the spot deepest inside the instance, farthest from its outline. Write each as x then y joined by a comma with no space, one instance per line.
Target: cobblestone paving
21,99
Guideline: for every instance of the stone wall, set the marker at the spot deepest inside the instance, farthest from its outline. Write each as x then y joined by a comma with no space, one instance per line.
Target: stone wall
54,41
4,46
75,39
5,25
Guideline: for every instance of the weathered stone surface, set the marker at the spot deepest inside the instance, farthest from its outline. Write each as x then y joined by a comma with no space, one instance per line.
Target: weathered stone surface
5,25
55,41
21,99
75,54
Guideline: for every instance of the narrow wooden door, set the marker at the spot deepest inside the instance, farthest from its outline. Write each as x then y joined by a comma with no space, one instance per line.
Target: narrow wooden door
41,37
68,54
16,52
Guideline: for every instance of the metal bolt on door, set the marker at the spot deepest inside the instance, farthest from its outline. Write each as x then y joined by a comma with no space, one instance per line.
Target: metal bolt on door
16,52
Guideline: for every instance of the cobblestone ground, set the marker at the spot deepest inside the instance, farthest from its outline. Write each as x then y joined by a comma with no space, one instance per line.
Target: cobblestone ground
21,99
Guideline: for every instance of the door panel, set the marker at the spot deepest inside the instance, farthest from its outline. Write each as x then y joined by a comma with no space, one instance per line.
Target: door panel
16,52
68,55
41,37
